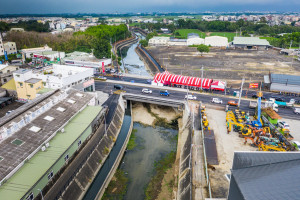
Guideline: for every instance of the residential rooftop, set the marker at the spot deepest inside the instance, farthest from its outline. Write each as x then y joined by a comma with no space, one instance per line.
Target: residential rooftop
26,129
33,80
41,162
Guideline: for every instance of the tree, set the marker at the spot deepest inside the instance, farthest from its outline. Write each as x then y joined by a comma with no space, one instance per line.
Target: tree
144,43
203,48
101,48
3,28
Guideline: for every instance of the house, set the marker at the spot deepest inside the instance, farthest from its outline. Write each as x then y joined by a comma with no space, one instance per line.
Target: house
216,41
194,39
1,47
250,43
159,41
30,82
265,175
28,53
6,73
10,47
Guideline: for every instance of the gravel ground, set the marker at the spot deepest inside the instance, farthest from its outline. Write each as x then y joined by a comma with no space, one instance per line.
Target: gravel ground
230,65
294,128
227,144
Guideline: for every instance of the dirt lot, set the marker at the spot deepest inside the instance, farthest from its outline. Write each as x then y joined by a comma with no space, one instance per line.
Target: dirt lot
227,144
230,65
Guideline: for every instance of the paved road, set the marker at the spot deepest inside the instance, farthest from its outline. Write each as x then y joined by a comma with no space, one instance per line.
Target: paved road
179,95
230,91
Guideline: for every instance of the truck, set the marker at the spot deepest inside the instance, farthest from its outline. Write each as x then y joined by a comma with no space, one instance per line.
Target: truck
273,105
289,104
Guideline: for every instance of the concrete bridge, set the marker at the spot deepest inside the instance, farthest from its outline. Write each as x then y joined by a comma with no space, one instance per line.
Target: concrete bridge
155,100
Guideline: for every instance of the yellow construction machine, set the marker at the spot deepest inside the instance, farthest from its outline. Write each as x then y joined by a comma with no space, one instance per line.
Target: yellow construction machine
265,147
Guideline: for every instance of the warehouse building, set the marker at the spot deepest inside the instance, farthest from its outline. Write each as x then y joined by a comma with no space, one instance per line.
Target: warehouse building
40,138
253,43
216,41
194,39
283,83
159,41
265,175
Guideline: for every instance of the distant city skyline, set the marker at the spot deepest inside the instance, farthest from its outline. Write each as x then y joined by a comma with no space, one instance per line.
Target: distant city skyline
121,6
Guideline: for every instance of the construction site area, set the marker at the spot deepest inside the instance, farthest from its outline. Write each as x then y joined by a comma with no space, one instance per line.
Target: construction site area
232,130
224,64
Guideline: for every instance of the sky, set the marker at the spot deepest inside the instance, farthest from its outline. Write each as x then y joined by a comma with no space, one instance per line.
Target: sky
124,6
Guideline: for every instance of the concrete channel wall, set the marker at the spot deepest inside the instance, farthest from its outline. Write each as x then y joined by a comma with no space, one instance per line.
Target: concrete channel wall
117,162
147,60
75,181
185,167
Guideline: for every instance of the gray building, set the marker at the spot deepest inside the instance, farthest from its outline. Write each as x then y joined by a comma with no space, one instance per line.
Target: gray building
250,43
283,83
264,176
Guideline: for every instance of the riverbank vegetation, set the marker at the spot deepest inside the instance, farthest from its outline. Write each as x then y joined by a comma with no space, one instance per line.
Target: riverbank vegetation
154,187
131,143
117,187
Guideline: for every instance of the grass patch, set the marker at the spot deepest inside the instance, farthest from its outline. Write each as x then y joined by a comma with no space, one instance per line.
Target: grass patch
184,33
131,143
117,187
229,35
160,167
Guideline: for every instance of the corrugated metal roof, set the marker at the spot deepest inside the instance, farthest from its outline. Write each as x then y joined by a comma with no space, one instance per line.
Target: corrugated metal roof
285,79
285,88
250,41
265,175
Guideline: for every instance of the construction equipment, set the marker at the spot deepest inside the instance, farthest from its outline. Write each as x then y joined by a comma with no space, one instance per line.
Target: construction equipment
265,147
258,123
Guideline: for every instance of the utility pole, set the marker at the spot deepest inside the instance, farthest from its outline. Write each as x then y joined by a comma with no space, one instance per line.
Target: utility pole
241,92
201,76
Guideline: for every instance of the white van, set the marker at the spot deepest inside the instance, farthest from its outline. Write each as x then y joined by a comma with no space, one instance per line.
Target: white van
297,110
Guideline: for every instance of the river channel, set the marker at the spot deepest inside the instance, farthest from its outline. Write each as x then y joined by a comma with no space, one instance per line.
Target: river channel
132,64
152,145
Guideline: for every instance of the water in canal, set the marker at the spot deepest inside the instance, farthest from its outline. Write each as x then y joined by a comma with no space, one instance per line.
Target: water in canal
132,62
152,145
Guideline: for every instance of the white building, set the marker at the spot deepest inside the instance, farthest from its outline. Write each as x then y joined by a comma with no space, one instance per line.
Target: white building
29,52
10,47
159,41
51,55
216,41
194,39
60,77
82,59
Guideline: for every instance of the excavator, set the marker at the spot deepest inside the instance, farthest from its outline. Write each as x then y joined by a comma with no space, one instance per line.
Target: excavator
269,147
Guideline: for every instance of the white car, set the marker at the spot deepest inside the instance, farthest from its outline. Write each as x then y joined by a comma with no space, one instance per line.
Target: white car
216,100
147,91
190,97
283,125
297,144
112,71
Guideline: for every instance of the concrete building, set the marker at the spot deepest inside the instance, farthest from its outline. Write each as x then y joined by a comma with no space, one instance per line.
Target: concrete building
177,42
159,41
29,52
216,41
6,73
194,39
54,77
10,47
250,43
86,60
43,136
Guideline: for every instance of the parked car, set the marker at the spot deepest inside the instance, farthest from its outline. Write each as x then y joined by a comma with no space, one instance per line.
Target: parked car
112,71
283,125
232,103
118,87
216,100
8,112
147,91
102,78
190,97
297,111
164,93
